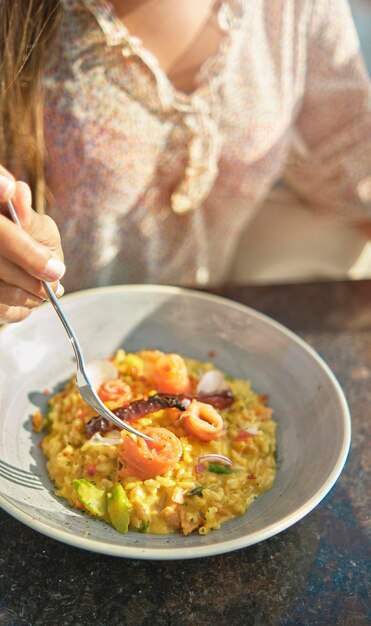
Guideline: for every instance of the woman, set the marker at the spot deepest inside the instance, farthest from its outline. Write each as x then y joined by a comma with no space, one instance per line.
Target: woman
165,126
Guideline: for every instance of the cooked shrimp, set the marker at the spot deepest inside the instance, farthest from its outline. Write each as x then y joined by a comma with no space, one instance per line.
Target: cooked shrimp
148,459
171,375
115,391
150,356
202,421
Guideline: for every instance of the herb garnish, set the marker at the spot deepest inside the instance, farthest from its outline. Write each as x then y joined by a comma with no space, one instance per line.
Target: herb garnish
196,490
218,468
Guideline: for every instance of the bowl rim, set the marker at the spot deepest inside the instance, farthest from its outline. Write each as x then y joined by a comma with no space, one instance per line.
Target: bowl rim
189,552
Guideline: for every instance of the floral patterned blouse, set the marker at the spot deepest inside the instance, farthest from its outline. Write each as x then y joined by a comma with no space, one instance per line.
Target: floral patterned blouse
150,184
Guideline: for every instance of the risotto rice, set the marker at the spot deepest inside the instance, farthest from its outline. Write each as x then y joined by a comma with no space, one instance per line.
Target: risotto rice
195,492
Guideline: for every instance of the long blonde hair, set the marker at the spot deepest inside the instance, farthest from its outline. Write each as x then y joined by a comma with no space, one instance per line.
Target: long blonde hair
26,29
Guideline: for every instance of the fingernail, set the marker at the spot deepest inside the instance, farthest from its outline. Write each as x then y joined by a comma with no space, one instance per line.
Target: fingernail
7,187
54,269
60,291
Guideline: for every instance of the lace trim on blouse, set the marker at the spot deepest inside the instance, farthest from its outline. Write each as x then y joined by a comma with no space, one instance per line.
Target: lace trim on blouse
196,113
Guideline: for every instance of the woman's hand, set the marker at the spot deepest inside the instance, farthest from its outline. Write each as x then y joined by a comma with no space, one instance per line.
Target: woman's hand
27,255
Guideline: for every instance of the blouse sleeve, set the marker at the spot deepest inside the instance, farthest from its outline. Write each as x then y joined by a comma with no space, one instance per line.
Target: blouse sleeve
330,165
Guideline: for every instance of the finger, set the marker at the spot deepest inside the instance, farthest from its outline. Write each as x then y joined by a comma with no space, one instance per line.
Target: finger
10,314
45,231
7,185
22,200
14,296
14,275
40,227
5,172
18,247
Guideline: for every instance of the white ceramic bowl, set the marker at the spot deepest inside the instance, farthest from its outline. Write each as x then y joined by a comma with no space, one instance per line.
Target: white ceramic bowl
309,406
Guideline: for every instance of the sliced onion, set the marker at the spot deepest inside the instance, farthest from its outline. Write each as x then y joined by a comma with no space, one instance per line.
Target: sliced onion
211,382
101,370
113,439
215,458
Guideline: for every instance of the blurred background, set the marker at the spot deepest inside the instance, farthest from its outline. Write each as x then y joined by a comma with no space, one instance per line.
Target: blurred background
362,17
299,246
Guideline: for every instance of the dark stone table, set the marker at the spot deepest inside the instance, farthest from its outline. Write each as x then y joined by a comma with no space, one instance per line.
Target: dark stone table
315,573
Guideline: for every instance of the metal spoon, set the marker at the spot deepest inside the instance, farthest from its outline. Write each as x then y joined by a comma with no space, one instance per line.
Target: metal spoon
82,379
